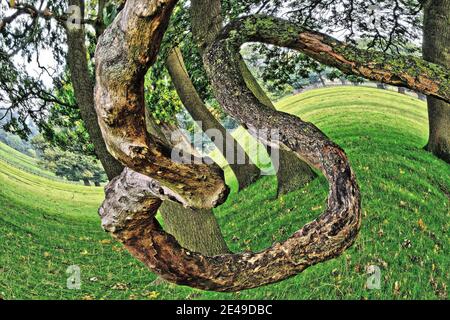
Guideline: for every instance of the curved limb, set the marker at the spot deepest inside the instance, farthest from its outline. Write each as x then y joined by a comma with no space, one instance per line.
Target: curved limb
133,198
124,53
399,70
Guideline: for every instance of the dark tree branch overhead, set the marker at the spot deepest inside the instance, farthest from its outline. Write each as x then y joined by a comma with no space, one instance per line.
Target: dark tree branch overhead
399,70
32,11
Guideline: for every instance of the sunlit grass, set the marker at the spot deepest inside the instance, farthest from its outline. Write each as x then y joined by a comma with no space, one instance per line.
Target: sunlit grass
46,226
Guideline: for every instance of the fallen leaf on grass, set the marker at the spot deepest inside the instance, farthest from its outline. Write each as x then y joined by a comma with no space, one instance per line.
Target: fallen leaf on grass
397,288
120,286
406,243
152,295
117,249
422,225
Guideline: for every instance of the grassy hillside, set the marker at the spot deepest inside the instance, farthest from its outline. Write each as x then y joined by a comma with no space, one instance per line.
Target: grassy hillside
24,162
47,226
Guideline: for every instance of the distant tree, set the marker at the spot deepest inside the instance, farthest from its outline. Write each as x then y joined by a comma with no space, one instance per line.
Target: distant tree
15,142
70,165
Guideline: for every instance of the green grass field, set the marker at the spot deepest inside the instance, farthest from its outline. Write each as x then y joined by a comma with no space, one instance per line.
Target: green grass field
19,160
47,226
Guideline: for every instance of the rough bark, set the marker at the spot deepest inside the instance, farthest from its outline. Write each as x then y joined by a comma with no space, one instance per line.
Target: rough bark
207,22
436,49
393,69
133,198
123,56
246,172
83,85
292,173
140,232
195,230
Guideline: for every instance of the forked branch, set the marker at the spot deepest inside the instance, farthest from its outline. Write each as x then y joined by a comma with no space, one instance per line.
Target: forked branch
126,51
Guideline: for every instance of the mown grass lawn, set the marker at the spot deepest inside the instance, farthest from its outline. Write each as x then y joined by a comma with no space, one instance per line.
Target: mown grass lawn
47,226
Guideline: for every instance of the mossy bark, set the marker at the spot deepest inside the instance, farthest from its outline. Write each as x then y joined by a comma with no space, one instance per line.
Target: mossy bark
120,105
394,69
246,173
133,199
436,49
292,173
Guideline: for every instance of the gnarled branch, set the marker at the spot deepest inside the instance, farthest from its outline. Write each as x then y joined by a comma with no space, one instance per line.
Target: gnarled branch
399,70
125,52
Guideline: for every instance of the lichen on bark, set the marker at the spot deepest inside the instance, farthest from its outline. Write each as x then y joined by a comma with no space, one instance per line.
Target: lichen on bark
132,200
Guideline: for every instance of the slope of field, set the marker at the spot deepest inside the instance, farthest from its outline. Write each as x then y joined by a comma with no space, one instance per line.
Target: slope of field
26,163
47,226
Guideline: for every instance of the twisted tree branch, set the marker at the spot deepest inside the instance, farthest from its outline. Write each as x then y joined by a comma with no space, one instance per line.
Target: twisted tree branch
124,54
132,200
126,51
399,70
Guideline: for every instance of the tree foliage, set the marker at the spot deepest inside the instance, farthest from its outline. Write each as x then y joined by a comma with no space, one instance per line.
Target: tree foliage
70,165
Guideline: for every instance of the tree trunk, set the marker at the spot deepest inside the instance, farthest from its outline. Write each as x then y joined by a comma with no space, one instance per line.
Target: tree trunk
195,230
322,80
97,184
83,86
292,173
436,48
247,172
132,199
421,96
86,182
